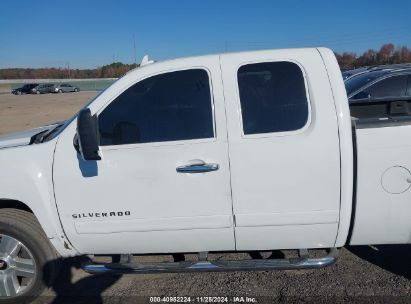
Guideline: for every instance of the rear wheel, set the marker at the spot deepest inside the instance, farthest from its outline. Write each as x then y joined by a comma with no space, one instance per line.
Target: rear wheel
75,90
37,92
28,263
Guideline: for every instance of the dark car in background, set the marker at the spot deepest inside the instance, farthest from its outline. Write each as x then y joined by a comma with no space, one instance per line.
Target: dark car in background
347,74
350,73
43,88
388,91
65,87
25,89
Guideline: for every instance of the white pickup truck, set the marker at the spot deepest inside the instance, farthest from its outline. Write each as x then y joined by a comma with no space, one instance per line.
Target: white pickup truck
232,152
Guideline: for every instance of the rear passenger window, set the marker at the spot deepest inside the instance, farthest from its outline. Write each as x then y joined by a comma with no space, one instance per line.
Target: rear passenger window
273,97
394,86
167,107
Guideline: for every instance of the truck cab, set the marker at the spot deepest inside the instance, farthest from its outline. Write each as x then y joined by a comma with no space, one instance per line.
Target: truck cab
215,114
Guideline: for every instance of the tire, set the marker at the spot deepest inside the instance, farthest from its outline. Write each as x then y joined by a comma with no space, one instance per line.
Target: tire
18,93
37,92
20,229
76,90
60,91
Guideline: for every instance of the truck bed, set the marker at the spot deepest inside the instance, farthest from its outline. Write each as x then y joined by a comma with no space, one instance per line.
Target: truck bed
382,165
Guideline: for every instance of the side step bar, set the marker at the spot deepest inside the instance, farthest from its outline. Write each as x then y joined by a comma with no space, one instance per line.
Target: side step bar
303,262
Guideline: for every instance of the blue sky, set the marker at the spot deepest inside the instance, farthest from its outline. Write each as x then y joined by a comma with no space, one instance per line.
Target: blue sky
87,34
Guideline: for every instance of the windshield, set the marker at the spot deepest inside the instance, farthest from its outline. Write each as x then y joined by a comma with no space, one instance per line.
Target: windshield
357,82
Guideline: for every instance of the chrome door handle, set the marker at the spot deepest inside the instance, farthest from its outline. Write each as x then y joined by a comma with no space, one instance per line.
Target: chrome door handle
200,167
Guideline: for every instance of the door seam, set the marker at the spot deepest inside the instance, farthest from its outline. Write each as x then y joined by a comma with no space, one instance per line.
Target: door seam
228,152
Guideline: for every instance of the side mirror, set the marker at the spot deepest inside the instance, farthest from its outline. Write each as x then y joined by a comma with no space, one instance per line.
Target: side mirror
87,135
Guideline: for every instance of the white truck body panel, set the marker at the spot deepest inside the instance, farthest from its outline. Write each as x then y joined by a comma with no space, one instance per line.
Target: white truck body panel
26,176
383,200
346,143
21,138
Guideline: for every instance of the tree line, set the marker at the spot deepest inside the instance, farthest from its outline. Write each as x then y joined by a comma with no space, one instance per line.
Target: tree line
113,70
387,54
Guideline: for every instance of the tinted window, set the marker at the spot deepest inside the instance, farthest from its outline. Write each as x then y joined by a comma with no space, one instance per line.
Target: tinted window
391,87
166,107
409,86
360,80
273,97
394,86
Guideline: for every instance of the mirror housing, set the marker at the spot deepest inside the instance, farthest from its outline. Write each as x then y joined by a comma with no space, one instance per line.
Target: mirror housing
87,135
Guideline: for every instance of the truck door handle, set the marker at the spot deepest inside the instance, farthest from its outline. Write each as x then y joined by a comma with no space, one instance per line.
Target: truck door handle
197,166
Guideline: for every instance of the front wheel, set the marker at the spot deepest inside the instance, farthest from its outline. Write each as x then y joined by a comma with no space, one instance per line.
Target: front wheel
37,92
76,90
28,262
60,91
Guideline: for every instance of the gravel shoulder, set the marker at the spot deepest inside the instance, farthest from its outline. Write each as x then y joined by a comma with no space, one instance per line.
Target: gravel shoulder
21,112
380,274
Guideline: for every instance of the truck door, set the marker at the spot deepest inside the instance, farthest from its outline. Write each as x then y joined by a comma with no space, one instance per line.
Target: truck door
283,148
163,183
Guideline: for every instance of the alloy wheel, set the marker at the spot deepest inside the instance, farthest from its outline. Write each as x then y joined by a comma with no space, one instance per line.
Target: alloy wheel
17,267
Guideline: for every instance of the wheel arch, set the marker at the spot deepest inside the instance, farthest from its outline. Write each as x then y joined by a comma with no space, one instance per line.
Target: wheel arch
61,245
14,204
26,182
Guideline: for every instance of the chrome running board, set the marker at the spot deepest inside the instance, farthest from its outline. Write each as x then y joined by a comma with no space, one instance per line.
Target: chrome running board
207,266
